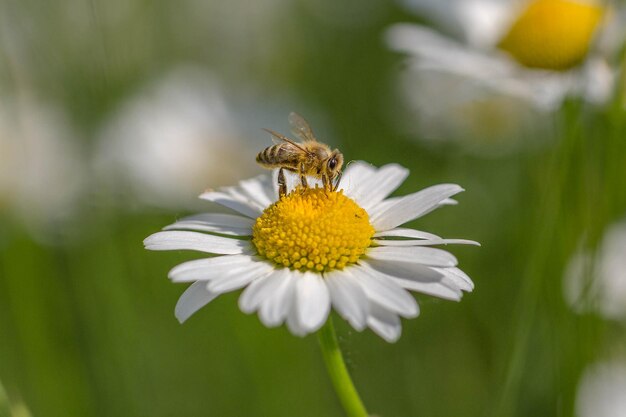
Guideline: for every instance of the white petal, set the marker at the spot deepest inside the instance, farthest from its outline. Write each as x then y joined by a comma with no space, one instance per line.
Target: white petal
240,277
422,42
227,224
424,242
384,292
449,202
260,289
481,23
460,278
348,297
596,82
413,206
384,323
415,254
274,308
192,300
382,206
208,268
174,240
433,51
260,190
416,277
355,174
312,301
237,203
293,323
402,232
376,187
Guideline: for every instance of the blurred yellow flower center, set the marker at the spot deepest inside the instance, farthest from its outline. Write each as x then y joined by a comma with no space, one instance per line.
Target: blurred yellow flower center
313,229
553,34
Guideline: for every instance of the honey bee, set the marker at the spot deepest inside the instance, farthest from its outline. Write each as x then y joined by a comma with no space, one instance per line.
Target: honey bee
308,157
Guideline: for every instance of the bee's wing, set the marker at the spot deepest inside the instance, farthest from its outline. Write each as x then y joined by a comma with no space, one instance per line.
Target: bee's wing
278,138
290,152
301,128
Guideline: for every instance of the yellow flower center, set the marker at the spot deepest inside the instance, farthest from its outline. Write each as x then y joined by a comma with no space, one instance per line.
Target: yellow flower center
313,229
553,34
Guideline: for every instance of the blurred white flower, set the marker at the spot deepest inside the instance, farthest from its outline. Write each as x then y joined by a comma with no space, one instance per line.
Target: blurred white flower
41,170
599,283
504,63
601,390
176,137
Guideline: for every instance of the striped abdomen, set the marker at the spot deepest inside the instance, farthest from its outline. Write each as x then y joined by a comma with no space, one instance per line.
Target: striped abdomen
280,155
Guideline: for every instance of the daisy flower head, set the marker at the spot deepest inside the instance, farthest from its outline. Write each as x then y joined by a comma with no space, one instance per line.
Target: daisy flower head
312,249
498,64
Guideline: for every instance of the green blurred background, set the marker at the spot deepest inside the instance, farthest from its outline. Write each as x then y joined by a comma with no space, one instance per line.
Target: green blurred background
86,314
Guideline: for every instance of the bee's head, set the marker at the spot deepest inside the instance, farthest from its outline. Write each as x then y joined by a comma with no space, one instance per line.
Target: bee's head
334,163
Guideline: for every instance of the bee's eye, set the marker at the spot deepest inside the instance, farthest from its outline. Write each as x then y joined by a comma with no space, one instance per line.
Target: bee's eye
332,164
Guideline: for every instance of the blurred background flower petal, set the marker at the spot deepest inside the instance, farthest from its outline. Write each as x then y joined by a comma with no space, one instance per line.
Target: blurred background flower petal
601,390
596,281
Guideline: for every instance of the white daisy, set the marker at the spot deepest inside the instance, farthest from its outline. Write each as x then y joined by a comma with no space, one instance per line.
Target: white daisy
313,249
503,61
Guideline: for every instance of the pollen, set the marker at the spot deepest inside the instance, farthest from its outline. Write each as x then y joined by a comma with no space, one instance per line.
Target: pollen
553,34
313,229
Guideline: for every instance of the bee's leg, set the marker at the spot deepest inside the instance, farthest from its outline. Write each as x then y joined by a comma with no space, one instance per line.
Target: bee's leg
338,178
303,181
326,182
303,177
282,184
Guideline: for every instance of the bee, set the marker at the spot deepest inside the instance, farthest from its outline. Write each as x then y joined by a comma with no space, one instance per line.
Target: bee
308,157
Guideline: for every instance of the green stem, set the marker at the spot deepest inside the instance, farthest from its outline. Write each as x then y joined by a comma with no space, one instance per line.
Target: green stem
348,396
